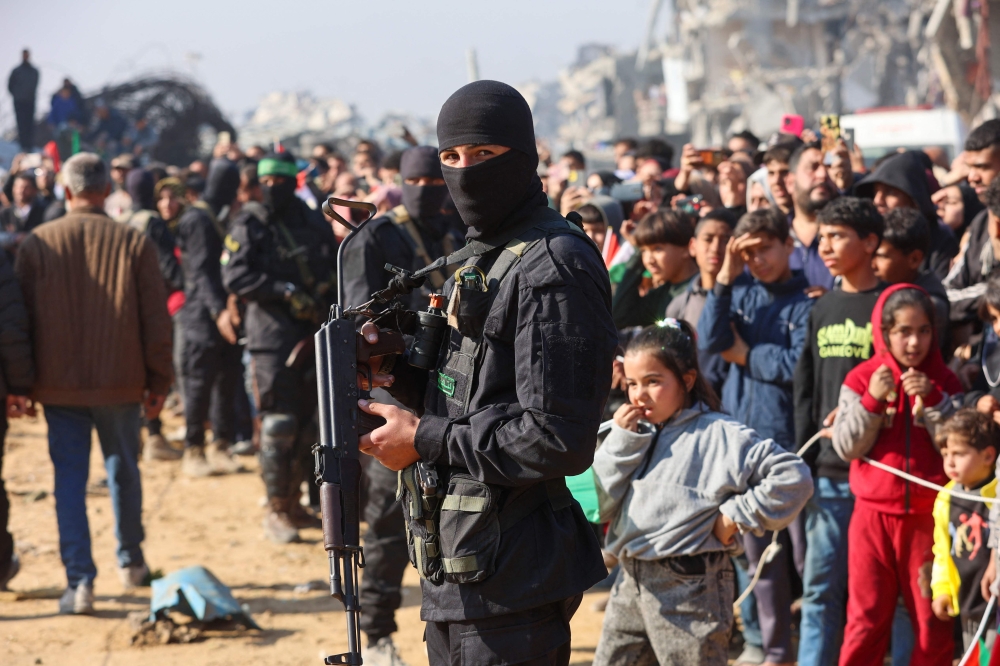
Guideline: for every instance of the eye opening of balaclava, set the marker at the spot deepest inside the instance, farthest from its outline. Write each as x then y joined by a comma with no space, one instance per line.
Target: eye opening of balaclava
487,194
422,201
277,197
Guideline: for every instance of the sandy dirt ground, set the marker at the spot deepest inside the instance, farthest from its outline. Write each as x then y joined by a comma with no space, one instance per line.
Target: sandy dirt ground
214,522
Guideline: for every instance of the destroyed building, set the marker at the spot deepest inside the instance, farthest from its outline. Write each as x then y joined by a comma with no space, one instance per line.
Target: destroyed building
727,65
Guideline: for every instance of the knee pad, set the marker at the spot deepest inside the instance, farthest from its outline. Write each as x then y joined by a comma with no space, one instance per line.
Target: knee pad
277,432
277,439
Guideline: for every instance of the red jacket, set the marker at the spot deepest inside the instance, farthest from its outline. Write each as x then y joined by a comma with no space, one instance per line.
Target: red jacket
905,444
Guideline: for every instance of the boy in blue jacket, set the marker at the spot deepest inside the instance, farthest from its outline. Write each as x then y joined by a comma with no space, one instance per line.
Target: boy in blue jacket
759,326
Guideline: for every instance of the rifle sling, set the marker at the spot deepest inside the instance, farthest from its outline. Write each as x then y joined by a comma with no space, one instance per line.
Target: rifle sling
477,247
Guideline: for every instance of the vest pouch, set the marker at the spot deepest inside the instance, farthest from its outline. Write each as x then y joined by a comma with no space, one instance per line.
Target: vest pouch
473,308
469,530
420,516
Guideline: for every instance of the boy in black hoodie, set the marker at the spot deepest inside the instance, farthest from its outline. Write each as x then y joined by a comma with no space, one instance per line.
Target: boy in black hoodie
838,337
901,182
905,244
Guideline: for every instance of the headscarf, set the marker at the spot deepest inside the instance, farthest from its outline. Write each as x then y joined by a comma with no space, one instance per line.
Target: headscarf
495,193
759,177
170,182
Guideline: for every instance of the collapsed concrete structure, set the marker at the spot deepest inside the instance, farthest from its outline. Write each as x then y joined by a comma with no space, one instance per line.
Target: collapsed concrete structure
727,65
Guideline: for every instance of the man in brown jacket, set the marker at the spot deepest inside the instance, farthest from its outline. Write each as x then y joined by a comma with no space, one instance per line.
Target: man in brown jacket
97,305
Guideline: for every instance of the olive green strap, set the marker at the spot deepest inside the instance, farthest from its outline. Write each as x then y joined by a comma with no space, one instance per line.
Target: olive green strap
458,565
464,503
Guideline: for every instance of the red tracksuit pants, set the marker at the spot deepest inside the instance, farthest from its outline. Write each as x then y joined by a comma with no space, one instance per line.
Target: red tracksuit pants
889,555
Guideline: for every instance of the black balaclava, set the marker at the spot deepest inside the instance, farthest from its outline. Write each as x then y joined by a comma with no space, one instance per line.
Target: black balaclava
278,196
222,184
490,193
422,201
140,186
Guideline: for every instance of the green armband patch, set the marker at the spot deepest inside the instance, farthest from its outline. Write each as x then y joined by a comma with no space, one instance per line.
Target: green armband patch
446,384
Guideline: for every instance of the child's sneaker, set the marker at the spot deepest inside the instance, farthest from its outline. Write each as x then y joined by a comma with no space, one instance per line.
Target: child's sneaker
78,601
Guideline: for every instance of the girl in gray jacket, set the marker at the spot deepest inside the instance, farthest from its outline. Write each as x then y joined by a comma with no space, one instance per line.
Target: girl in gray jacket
677,480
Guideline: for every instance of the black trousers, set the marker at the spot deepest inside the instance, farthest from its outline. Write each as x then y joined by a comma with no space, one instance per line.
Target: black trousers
24,113
6,540
212,375
385,551
535,637
279,389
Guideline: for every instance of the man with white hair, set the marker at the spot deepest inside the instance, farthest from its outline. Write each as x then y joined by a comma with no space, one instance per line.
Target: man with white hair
97,305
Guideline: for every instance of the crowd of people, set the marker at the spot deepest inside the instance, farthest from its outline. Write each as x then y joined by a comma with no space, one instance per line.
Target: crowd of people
790,321
72,122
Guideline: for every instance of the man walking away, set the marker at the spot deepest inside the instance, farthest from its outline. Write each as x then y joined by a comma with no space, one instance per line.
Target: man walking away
22,85
98,310
17,374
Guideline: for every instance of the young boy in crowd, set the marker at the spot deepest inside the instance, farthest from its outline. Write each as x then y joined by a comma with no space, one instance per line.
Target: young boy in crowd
969,442
838,337
660,270
708,247
905,242
759,326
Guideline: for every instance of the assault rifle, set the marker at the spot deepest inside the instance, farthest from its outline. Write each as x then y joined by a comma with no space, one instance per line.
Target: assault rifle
341,357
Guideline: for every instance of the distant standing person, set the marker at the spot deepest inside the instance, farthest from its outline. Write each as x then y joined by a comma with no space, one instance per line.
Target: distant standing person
23,84
98,309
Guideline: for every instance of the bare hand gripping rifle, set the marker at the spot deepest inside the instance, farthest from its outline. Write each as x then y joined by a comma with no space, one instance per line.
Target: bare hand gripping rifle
342,356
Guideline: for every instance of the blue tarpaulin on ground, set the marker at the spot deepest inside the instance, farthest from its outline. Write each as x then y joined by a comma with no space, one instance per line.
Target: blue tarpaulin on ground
195,591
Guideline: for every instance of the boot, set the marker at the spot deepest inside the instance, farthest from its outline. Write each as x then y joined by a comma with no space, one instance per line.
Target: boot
278,526
382,653
193,464
220,459
301,517
157,448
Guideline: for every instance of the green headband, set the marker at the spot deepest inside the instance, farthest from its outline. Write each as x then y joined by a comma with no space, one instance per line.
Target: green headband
272,167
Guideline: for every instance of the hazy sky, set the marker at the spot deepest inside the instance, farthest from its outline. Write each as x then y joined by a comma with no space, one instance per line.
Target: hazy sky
380,56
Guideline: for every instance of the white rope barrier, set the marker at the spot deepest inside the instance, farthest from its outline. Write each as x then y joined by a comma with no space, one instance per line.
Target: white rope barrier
773,548
927,484
979,633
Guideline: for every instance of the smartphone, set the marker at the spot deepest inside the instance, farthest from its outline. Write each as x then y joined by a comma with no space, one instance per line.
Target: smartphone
573,176
225,138
847,134
691,205
829,129
792,124
711,157
626,192
31,161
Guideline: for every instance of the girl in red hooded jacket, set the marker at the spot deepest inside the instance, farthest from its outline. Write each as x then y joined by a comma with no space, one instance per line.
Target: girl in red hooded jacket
889,407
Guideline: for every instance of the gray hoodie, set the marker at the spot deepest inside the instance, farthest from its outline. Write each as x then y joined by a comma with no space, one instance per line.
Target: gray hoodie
701,464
